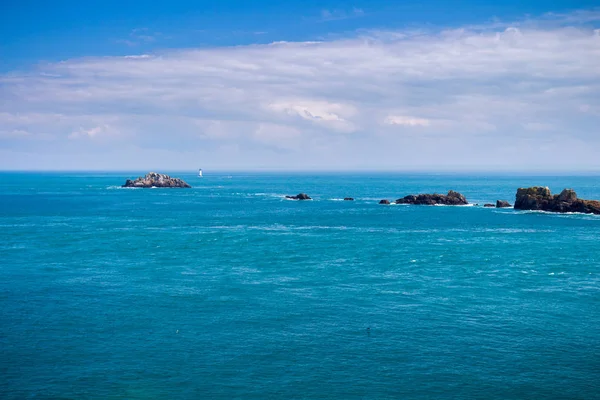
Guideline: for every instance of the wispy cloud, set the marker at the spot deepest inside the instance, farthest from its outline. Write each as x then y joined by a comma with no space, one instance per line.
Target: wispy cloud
139,36
473,97
338,14
407,121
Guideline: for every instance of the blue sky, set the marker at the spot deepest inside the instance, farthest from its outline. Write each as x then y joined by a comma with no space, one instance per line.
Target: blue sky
428,85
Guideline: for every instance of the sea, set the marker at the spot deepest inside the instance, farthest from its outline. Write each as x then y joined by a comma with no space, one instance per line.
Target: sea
228,290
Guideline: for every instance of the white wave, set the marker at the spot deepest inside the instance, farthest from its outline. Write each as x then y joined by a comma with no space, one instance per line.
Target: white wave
271,195
287,198
453,205
120,187
560,214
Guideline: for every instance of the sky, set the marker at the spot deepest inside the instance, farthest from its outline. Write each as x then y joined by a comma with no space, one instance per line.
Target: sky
426,85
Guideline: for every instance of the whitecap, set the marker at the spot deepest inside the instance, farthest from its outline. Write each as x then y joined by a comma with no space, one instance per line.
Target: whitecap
453,205
120,187
560,214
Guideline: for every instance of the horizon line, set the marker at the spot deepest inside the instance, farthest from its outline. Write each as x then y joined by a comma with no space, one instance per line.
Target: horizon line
530,172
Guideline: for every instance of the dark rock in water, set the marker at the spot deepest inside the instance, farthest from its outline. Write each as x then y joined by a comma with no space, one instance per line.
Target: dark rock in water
301,196
488,205
540,198
502,204
451,199
384,202
567,195
348,198
156,180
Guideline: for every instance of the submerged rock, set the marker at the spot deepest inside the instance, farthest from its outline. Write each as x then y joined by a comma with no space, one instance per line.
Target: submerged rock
384,201
502,204
154,179
540,198
300,196
451,199
348,198
488,205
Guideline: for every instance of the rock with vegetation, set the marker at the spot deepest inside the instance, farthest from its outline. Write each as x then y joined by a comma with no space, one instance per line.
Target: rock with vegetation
451,199
300,196
540,198
154,179
502,204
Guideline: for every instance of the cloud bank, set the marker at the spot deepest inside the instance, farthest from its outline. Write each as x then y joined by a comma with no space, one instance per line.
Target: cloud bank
497,97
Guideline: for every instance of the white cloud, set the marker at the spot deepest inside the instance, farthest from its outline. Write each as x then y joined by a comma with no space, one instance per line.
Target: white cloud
278,136
537,126
330,115
473,83
15,133
407,121
91,132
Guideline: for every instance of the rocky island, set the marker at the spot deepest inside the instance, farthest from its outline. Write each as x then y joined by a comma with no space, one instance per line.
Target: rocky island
154,179
451,199
540,198
300,196
502,204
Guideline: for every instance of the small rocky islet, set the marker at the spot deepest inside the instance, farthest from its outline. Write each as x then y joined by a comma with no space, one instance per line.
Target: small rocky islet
299,196
154,179
451,199
502,204
542,199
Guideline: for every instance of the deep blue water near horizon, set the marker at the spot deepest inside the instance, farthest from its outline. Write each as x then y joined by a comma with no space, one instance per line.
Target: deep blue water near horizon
227,290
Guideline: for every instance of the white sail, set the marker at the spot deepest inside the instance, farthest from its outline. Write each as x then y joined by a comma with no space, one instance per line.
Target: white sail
200,172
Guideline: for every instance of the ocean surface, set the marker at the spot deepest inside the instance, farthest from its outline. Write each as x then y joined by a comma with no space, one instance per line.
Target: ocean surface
228,290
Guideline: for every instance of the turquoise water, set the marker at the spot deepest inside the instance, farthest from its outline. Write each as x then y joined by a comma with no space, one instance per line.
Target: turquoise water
228,290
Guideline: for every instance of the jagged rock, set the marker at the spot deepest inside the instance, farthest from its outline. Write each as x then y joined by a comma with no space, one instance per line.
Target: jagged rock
348,198
502,204
154,179
384,202
488,205
567,195
300,196
540,198
451,199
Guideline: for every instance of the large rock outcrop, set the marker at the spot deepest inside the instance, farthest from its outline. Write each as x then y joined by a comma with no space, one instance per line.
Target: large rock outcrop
451,199
154,179
540,198
300,196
